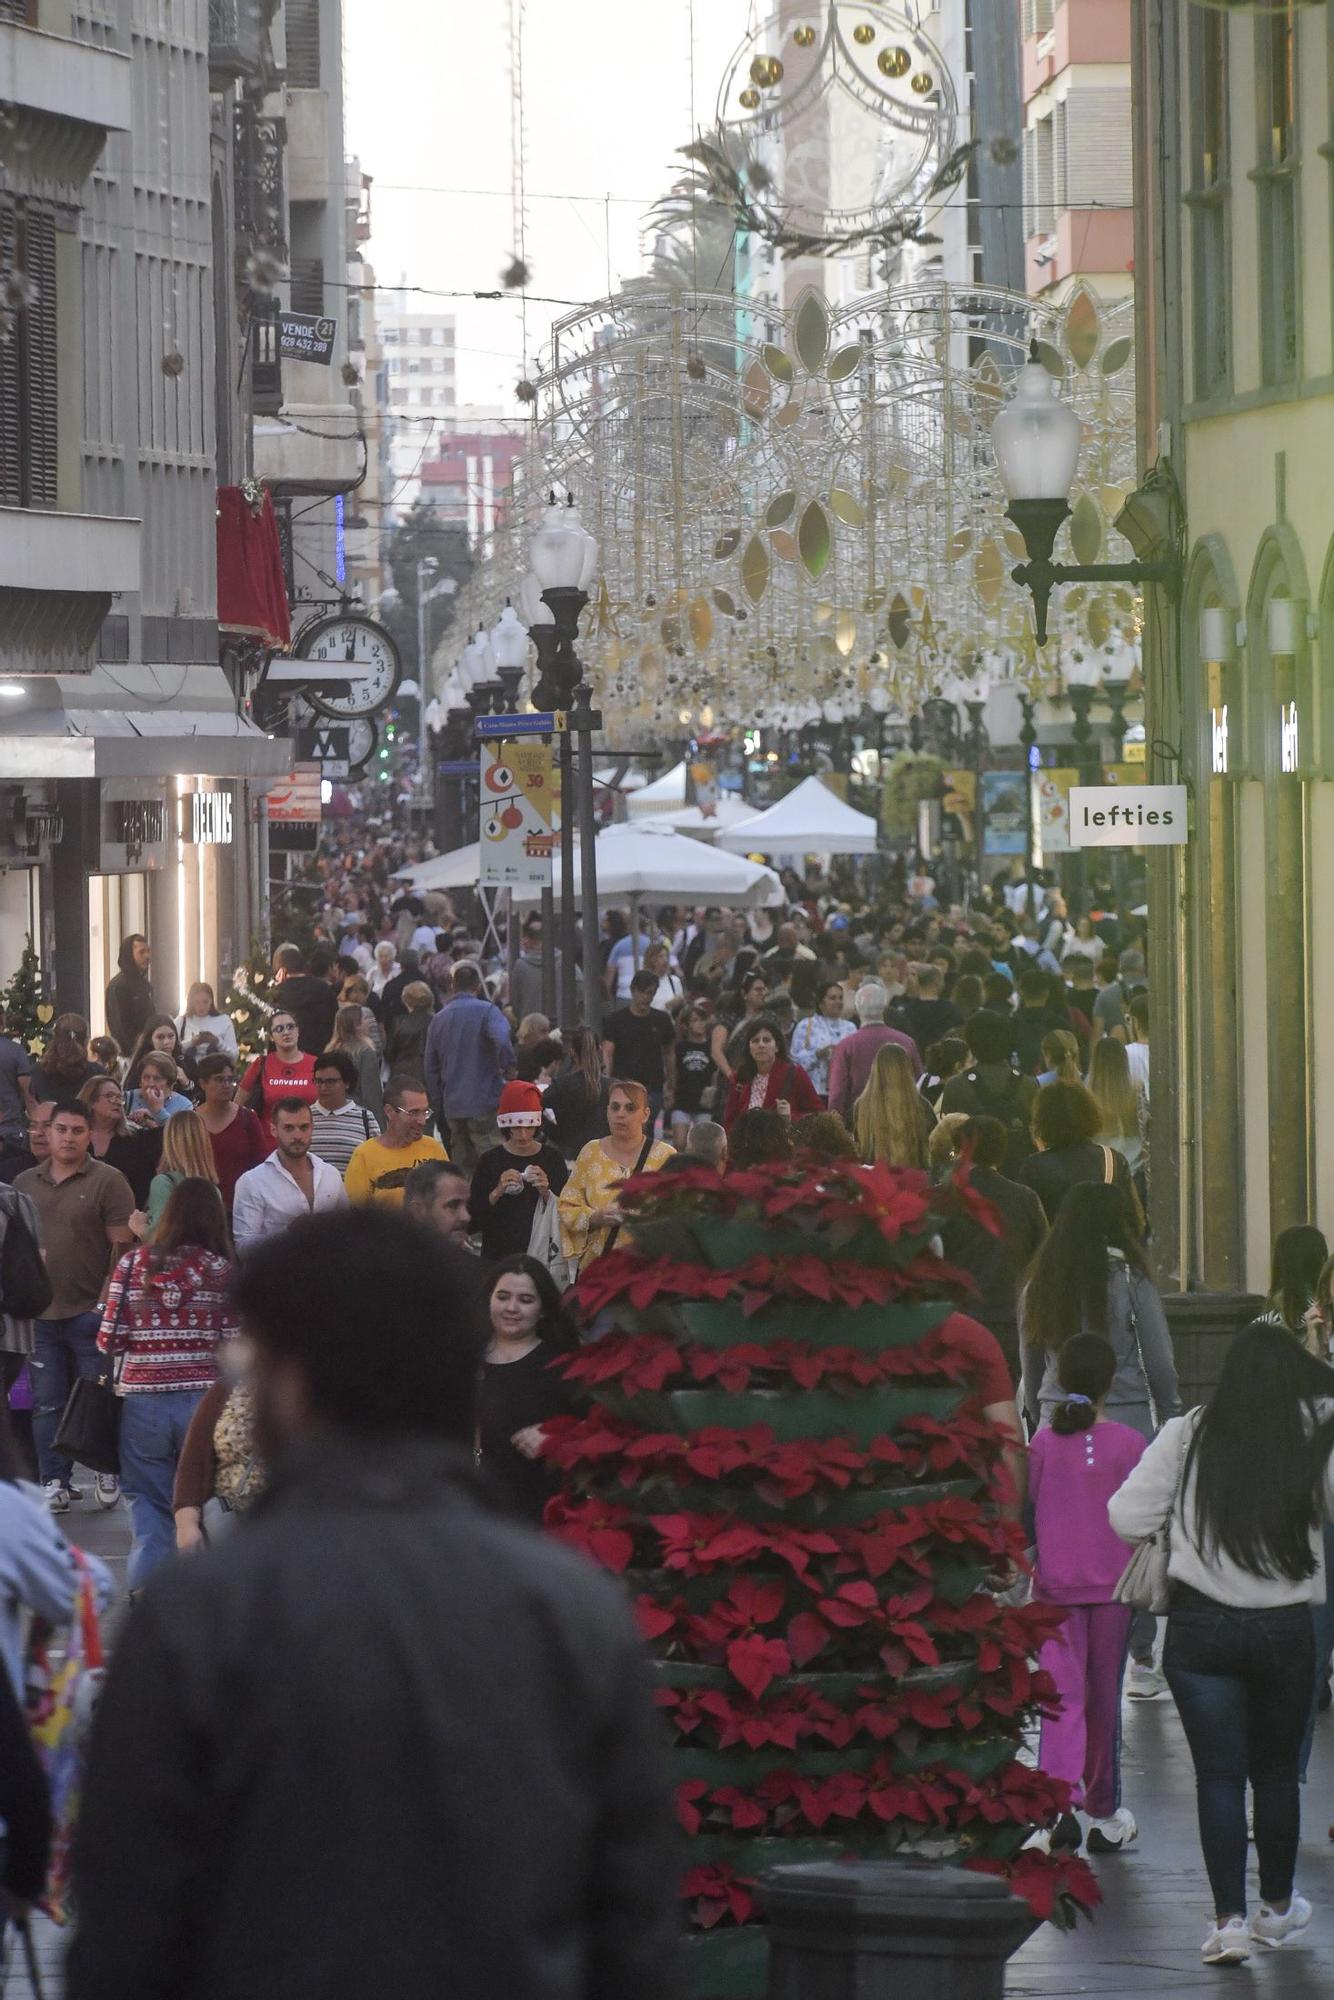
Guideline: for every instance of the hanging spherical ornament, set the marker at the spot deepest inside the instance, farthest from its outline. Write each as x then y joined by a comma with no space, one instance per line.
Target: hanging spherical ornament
804,36
695,367
750,100
863,34
526,392
895,61
923,84
766,71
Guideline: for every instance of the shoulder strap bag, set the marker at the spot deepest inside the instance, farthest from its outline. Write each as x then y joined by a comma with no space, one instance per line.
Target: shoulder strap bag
1133,1317
1144,1582
637,1168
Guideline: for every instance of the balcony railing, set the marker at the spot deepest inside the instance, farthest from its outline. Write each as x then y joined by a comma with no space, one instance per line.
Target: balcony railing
235,40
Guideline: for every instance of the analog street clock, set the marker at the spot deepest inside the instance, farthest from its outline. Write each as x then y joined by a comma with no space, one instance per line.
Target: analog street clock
364,658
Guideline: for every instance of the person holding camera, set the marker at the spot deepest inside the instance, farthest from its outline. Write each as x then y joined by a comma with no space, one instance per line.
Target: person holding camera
512,1178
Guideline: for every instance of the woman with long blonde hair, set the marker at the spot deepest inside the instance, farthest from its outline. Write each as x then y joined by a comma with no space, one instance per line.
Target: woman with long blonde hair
891,1120
1120,1100
352,1035
187,1155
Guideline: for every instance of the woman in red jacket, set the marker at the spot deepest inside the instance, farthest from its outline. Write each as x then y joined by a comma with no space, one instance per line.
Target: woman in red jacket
765,1080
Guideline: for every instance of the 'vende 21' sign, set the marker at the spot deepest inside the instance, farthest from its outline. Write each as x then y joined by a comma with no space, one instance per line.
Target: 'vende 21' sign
1128,816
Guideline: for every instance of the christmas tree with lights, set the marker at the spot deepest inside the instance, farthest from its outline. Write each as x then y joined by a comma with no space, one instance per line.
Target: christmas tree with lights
786,1459
28,1012
250,1002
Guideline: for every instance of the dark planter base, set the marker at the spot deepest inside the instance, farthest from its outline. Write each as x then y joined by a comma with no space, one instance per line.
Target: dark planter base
890,1930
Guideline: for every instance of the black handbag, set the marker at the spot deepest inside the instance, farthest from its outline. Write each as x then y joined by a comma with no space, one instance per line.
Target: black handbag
90,1428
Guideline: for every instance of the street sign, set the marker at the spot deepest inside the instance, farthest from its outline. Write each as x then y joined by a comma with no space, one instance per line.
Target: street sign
458,767
1128,816
328,745
491,727
519,819
306,337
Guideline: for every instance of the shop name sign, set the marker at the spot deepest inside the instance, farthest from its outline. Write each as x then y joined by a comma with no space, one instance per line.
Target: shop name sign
1128,816
210,819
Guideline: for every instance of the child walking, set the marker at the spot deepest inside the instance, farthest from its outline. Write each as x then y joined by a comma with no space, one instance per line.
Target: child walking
1075,1464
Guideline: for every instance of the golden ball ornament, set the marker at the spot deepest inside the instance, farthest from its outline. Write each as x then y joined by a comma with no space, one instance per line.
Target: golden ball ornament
895,62
750,100
923,83
804,36
766,71
863,34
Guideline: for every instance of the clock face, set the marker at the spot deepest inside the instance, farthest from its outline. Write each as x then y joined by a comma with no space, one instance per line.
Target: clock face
363,740
350,643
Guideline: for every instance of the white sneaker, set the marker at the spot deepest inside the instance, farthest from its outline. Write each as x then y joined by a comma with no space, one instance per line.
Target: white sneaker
1143,1683
1267,1927
57,1496
1111,1836
108,1489
1227,1944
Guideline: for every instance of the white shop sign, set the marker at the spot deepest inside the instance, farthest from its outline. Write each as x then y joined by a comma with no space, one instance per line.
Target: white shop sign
1128,816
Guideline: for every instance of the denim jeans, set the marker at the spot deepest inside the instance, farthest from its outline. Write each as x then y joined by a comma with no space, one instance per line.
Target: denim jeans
152,1430
1242,1681
64,1349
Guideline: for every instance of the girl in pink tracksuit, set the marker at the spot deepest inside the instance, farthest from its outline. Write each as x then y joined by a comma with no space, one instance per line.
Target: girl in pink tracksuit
1075,1464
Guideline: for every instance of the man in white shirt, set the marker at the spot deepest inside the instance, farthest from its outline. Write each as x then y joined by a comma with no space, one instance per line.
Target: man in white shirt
340,1125
292,1182
1137,1047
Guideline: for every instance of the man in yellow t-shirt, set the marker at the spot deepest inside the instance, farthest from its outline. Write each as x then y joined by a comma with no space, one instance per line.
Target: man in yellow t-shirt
378,1168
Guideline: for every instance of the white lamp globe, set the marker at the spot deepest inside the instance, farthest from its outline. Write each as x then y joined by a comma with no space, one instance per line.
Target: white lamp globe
1036,439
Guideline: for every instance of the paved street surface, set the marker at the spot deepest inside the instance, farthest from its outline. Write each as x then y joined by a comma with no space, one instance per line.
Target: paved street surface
1146,1937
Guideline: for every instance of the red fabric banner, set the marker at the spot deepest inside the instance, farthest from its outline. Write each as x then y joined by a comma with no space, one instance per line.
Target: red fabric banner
252,591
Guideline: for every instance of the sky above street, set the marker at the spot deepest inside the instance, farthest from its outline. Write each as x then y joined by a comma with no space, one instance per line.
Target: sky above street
607,100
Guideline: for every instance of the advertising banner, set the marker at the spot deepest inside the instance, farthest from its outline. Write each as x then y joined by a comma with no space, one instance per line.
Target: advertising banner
520,814
1053,808
1005,812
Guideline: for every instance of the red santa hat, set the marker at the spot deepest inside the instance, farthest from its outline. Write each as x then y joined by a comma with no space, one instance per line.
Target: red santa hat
520,1104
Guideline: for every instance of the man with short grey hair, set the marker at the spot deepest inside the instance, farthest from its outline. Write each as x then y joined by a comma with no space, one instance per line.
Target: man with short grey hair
851,1063
707,1142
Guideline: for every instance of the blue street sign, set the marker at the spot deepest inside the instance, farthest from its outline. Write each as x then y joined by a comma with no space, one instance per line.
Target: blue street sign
489,727
458,768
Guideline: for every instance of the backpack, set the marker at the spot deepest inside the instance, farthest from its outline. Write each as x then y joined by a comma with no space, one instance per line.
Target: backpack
1010,1110
25,1288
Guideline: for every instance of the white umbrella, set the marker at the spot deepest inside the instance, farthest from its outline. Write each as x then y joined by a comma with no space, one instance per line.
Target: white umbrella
668,868
632,861
810,819
455,870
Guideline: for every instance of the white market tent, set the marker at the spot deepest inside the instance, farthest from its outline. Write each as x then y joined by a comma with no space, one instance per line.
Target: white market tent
810,819
665,794
632,861
701,823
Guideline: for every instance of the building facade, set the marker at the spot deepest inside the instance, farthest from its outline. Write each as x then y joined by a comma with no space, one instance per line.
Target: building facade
115,210
419,362
1234,142
1078,158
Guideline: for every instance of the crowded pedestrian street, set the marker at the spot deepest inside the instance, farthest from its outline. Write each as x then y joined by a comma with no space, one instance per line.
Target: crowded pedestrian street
666,1110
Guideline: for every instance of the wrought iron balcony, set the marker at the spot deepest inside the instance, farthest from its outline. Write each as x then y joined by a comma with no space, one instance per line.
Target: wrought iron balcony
236,40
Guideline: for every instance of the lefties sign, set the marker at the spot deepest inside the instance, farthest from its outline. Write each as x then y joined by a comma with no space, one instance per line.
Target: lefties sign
1128,816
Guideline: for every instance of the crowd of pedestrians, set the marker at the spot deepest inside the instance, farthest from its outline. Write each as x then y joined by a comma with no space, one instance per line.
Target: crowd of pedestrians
407,1072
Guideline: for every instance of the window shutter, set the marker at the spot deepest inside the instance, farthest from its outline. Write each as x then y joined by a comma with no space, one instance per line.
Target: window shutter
11,385
1099,161
1060,163
307,278
38,238
303,44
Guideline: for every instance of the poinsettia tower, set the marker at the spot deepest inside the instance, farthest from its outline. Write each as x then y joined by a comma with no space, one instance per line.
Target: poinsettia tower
786,1457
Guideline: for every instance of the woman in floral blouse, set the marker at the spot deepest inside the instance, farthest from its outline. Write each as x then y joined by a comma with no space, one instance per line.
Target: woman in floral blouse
815,1039
589,1217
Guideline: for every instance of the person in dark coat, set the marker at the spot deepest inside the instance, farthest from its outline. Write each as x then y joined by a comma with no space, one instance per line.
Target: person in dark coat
995,1263
129,997
381,1741
309,996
